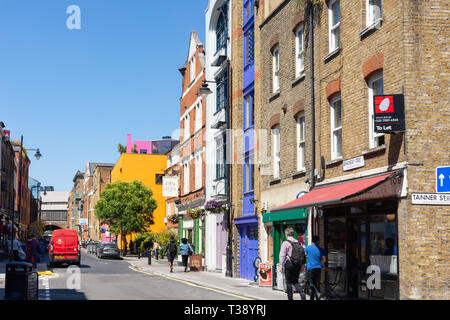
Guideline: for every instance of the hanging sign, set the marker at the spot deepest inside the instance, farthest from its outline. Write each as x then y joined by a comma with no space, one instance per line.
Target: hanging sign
389,113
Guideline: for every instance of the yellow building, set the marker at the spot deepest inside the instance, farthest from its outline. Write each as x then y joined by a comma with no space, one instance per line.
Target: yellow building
149,169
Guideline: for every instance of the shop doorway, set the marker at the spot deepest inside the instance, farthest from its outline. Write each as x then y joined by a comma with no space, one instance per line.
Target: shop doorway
249,250
361,254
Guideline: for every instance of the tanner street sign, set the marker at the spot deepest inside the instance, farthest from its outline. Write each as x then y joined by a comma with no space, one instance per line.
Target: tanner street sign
430,198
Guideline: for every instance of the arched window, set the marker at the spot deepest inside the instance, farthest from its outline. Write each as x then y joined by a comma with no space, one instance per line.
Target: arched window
221,32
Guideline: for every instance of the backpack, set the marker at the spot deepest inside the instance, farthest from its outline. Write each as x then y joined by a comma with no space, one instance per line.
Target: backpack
298,253
172,248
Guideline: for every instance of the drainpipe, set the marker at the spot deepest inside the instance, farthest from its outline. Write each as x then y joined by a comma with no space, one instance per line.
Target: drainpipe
313,120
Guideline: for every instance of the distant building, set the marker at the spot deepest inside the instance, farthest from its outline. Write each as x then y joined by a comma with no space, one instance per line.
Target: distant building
54,209
151,146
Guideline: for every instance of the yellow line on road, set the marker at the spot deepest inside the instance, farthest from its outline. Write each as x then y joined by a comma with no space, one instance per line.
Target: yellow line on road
193,284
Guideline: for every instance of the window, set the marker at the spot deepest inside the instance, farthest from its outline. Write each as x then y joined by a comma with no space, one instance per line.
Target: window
373,11
221,92
334,18
198,171
143,151
198,116
159,178
301,142
186,178
249,183
187,133
249,46
221,32
336,127
276,69
192,69
375,88
249,107
299,51
276,151
220,157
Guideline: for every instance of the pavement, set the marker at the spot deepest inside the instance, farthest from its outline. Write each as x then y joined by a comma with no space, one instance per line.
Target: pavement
237,286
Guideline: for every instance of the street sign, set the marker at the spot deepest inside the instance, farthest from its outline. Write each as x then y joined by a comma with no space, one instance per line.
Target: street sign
443,179
430,198
83,221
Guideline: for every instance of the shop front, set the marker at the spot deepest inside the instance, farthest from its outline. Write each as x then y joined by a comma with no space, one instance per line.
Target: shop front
356,221
276,223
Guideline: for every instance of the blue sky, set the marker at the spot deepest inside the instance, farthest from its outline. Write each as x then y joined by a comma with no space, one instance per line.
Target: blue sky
75,94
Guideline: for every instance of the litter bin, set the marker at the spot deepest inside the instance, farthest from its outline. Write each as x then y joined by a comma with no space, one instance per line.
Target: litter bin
21,283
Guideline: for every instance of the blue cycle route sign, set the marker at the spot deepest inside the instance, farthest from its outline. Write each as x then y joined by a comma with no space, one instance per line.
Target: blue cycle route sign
443,179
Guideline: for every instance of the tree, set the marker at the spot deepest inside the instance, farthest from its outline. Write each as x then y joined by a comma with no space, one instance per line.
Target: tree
127,207
121,148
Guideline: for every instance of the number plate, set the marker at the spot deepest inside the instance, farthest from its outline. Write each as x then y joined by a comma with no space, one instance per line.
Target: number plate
59,257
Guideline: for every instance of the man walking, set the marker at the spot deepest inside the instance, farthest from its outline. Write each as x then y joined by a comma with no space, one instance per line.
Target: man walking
292,257
315,261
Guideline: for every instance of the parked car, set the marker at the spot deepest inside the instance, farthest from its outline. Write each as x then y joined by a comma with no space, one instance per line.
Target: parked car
108,249
64,248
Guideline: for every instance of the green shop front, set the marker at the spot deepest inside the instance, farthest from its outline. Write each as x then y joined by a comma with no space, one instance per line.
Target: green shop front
275,224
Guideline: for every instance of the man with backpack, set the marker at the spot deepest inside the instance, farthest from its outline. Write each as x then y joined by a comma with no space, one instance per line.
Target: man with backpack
292,259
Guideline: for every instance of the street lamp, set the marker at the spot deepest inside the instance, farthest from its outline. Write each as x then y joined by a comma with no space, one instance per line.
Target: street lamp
204,91
38,155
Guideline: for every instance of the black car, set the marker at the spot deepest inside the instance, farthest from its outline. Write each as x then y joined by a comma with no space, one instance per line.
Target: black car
108,249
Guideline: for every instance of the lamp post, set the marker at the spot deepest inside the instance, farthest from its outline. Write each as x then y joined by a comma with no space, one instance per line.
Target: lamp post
204,91
38,155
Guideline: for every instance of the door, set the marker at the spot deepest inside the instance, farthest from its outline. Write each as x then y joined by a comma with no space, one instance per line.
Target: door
220,240
249,250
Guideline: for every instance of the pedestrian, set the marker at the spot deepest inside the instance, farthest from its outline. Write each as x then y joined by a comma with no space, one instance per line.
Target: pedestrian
185,251
124,251
16,247
150,247
314,263
292,259
138,248
34,252
171,251
131,246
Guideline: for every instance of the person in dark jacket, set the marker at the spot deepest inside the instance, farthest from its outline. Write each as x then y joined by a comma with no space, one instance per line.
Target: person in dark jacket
185,251
171,251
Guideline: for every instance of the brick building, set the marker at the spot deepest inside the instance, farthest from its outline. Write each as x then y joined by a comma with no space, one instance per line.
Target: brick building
359,198
24,207
173,170
192,146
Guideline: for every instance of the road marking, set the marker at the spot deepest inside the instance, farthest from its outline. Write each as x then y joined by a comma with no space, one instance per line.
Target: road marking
192,284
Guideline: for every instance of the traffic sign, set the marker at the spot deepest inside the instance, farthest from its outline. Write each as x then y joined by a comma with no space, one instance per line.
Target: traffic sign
443,179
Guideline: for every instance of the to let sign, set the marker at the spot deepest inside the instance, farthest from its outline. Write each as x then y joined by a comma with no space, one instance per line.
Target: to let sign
389,113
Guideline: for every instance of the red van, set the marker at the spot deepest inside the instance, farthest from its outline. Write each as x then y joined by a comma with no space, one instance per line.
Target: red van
64,248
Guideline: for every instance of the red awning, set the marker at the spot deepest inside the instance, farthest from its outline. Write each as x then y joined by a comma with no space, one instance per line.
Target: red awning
334,193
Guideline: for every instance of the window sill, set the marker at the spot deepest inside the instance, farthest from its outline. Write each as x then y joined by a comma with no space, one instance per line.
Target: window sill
371,151
275,181
218,111
299,174
274,95
334,162
219,179
370,29
332,54
297,80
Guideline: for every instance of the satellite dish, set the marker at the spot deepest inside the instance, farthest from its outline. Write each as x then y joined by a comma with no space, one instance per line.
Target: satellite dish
384,105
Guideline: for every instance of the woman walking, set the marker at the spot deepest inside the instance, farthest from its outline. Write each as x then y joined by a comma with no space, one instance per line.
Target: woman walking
185,251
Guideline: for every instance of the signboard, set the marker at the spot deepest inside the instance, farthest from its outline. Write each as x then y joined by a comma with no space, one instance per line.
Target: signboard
7,135
389,113
431,198
195,262
353,163
170,186
443,179
83,221
265,275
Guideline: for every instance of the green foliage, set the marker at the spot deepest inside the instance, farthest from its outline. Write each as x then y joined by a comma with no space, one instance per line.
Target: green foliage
164,238
134,149
126,207
121,148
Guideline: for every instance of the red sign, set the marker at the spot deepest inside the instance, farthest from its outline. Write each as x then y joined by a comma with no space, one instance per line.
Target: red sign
384,104
7,134
265,275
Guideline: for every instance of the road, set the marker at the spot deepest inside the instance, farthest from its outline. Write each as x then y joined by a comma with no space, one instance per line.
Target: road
109,279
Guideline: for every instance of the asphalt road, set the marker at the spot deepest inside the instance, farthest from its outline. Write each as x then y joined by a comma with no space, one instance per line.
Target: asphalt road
109,279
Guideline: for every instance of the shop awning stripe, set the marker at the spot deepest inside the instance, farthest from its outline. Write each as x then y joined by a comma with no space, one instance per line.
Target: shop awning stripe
333,194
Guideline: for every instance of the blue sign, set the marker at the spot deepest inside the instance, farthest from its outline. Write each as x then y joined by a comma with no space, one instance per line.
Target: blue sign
443,179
